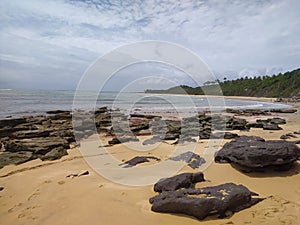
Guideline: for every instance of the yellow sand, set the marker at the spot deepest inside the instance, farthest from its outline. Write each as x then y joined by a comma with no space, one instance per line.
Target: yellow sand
39,193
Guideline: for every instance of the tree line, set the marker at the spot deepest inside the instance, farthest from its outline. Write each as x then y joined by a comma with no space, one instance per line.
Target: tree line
284,85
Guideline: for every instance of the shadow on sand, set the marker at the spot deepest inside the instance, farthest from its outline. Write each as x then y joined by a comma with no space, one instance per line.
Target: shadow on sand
271,171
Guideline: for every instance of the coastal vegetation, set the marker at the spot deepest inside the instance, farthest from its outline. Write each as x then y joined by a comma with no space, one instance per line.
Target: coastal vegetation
284,85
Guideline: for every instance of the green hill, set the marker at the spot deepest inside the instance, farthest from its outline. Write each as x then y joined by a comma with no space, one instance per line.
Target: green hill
281,85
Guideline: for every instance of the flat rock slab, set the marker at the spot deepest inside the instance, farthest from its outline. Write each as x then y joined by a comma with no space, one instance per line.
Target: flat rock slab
271,127
203,202
184,180
255,152
138,160
7,158
119,140
193,160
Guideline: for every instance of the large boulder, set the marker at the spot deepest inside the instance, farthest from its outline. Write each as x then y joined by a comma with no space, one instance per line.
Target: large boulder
203,202
255,152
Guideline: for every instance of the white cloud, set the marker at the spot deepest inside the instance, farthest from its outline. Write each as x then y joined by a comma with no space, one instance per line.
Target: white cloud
64,37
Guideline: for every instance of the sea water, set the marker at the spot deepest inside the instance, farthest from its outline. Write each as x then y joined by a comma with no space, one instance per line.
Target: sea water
17,103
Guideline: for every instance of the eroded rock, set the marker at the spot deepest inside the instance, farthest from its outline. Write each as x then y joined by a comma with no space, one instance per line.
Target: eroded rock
184,180
138,160
255,152
193,160
203,202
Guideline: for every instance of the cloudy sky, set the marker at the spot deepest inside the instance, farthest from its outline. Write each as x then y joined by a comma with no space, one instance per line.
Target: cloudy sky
48,44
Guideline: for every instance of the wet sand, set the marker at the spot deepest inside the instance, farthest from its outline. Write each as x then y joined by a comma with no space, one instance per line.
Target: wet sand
38,192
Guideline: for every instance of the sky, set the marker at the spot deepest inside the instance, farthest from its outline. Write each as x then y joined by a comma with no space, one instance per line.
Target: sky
49,44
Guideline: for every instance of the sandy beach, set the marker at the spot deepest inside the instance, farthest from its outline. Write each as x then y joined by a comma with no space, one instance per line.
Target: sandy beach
38,192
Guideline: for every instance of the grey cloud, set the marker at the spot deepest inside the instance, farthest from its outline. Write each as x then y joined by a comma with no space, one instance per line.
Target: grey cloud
62,38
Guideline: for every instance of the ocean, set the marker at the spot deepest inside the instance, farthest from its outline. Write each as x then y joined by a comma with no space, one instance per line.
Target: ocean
17,103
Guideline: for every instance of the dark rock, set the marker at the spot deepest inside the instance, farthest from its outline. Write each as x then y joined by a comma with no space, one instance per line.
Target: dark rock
30,134
238,124
137,160
119,140
145,116
1,188
255,125
153,140
54,154
139,127
296,143
58,112
12,122
204,134
271,127
39,146
248,112
7,158
183,140
278,121
225,135
193,160
296,132
169,137
291,135
173,126
184,180
284,110
255,152
203,202
284,137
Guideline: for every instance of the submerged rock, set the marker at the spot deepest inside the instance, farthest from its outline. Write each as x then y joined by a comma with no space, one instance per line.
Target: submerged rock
203,202
255,152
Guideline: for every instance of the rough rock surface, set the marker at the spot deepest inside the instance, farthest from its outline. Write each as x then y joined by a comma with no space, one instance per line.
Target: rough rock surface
203,202
193,160
48,137
137,160
255,152
184,180
271,127
119,140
